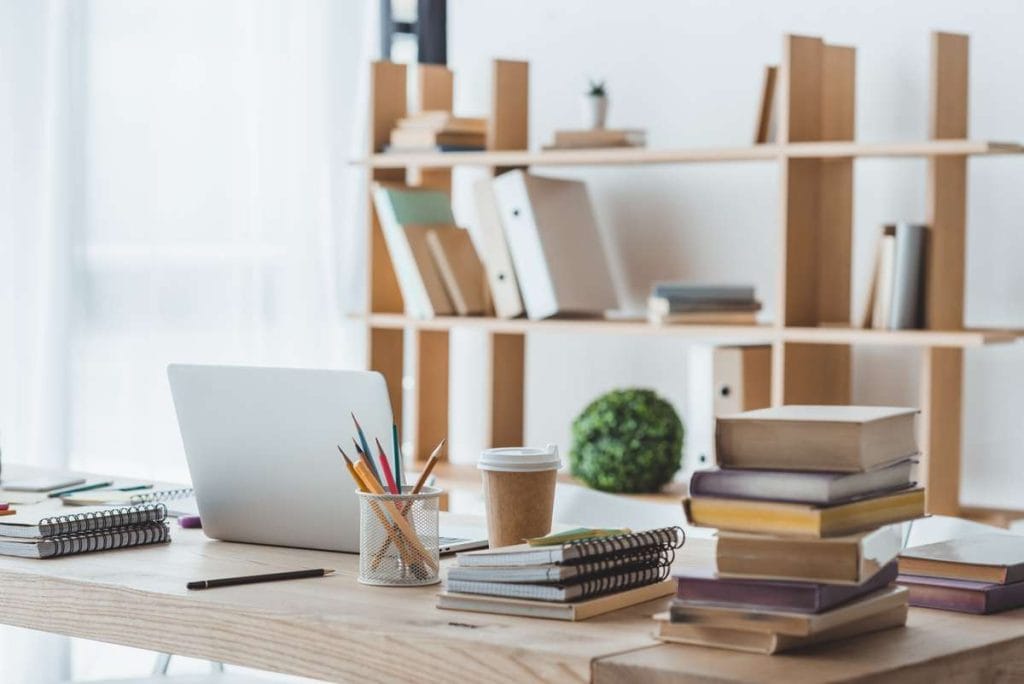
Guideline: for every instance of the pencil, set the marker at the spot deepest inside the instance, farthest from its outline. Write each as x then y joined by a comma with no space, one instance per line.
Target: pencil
352,471
397,451
405,530
364,457
366,446
254,579
435,456
388,476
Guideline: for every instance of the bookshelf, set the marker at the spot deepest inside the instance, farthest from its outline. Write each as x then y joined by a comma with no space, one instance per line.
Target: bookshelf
815,152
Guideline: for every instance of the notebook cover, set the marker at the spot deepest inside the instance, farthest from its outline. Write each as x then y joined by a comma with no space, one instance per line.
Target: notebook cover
962,596
587,549
579,610
994,557
802,597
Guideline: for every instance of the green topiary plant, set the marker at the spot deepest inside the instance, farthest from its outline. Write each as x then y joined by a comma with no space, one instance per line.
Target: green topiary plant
627,441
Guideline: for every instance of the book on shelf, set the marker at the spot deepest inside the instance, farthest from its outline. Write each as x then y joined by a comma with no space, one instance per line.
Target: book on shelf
768,643
896,294
684,291
460,269
963,596
789,623
426,138
664,306
555,244
572,611
816,438
704,318
802,486
398,207
598,138
765,131
997,558
437,120
808,520
709,589
488,236
848,560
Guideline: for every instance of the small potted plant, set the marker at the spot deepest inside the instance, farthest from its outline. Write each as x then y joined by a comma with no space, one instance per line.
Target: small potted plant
595,105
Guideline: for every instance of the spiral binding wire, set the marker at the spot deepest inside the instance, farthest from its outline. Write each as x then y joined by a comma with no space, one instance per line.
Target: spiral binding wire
610,583
162,495
644,558
668,538
93,521
149,533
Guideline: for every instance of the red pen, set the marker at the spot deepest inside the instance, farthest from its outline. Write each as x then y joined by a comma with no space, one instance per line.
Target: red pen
387,469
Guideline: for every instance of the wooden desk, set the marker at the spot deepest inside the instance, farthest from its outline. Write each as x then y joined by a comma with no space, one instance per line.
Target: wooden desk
334,628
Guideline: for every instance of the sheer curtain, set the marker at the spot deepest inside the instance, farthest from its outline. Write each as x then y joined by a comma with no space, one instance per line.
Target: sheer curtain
177,188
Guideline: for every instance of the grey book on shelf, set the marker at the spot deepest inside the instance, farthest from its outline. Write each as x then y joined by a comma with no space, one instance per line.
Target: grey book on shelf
906,305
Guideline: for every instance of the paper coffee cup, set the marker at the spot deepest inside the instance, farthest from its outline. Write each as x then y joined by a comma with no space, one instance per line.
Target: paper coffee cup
519,492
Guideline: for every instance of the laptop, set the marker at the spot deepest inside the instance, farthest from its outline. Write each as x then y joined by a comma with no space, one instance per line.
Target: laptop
261,448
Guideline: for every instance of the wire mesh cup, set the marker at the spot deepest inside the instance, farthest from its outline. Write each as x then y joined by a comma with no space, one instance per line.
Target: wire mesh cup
398,538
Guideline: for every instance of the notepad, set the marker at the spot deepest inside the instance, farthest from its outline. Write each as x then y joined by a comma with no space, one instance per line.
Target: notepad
29,525
69,544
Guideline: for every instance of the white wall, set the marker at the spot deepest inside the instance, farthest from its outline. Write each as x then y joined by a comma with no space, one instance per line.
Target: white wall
690,73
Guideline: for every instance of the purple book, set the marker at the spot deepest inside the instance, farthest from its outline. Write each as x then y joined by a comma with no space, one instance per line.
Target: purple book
962,596
795,597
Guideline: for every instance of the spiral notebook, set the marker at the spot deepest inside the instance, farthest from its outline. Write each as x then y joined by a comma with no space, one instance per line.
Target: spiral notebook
97,519
554,572
180,501
569,591
85,542
577,551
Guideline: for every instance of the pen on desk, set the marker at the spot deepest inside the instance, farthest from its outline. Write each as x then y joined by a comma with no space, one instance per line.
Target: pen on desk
388,476
133,488
255,579
80,488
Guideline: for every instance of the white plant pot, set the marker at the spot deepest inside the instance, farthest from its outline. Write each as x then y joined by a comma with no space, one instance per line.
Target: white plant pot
595,111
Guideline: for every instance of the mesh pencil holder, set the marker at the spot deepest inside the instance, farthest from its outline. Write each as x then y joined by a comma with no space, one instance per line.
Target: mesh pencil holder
398,538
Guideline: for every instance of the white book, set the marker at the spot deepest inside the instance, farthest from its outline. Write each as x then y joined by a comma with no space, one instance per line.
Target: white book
555,245
488,237
882,304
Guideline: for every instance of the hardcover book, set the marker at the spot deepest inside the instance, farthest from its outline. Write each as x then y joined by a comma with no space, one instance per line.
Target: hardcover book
846,439
962,596
995,558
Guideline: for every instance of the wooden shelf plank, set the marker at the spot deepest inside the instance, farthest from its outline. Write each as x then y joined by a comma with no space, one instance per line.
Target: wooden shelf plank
640,155
752,333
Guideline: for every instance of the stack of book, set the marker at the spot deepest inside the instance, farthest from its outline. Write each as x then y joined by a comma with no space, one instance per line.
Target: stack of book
598,138
570,581
702,304
806,504
980,574
438,131
43,535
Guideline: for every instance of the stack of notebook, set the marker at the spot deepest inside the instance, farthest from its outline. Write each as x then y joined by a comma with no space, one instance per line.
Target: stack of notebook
979,574
93,529
702,304
571,581
806,503
437,131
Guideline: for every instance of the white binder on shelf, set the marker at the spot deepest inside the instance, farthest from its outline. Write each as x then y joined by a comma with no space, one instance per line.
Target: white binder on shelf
489,239
555,246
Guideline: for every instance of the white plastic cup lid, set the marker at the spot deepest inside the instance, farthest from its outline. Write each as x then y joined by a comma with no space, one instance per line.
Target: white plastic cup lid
520,459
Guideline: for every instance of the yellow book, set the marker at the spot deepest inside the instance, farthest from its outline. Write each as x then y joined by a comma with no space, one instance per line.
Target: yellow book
772,517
